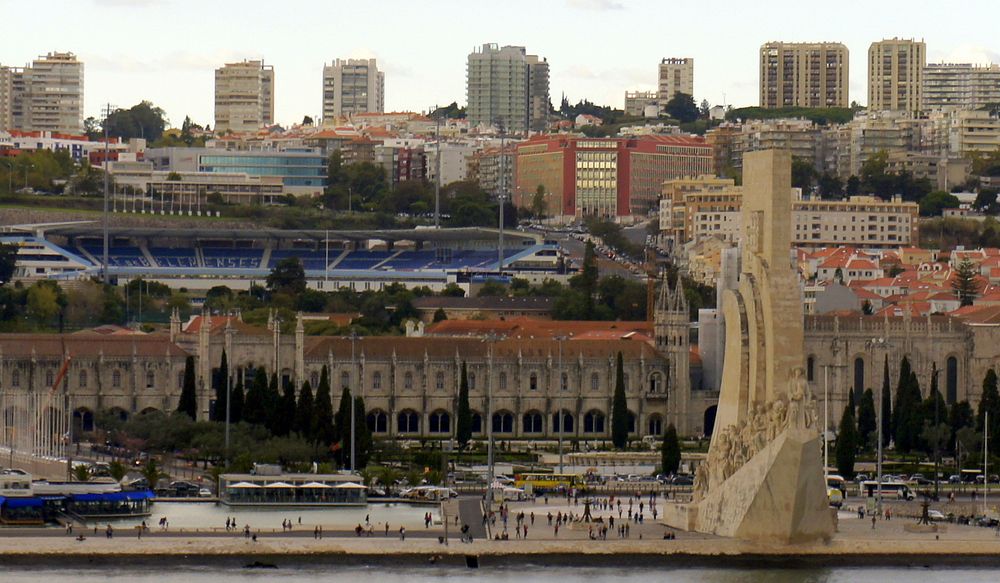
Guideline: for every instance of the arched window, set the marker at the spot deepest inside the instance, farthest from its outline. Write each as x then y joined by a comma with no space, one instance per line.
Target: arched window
477,422
631,422
951,379
378,421
533,381
503,381
564,382
408,380
345,379
116,378
150,379
594,382
655,383
655,425
562,422
314,380
377,380
49,379
593,422
15,378
811,368
83,379
408,422
503,422
439,422
439,380
859,378
532,422
472,381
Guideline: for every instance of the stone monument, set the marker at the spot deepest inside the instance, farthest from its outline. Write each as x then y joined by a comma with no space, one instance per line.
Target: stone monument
763,477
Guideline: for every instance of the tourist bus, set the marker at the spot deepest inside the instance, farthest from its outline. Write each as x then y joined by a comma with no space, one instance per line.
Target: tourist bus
547,480
894,489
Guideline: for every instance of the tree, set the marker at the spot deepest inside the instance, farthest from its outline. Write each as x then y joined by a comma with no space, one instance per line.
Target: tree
285,422
853,187
254,412
935,202
959,417
237,397
323,412
288,276
342,429
619,408
830,186
117,470
463,417
271,402
847,444
188,403
867,422
362,435
307,121
965,284
989,403
886,405
682,108
803,174
908,419
670,451
43,302
440,315
304,413
152,473
143,120
8,261
986,201
219,378
81,473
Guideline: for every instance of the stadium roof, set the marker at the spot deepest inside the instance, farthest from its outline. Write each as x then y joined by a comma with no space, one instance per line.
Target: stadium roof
431,235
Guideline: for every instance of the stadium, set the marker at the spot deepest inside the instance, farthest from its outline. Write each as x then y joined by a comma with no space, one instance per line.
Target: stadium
199,259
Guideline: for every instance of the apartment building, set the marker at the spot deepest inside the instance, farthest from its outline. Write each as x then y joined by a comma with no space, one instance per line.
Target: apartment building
642,103
963,85
804,75
608,177
352,86
46,96
676,75
895,75
506,86
244,96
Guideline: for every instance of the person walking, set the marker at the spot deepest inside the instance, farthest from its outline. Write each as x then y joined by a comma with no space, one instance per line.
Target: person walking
402,533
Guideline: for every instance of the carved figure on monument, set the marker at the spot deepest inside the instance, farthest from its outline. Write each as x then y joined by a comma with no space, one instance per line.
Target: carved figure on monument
701,477
760,433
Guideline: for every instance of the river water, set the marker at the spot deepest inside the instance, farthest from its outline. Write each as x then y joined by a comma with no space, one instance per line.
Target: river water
507,574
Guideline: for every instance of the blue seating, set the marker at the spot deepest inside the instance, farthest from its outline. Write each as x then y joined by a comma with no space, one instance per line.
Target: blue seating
168,257
311,260
410,260
364,259
119,256
232,258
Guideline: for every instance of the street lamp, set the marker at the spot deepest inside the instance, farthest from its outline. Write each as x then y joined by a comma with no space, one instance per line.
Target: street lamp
882,344
491,340
26,167
354,338
561,417
826,417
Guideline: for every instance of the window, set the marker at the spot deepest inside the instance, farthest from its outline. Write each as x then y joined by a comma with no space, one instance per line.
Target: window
564,382
810,368
562,422
477,422
377,380
472,381
503,381
532,422
593,422
859,378
116,378
439,380
655,383
314,380
150,379
378,421
440,422
625,380
655,425
345,379
503,422
631,422
15,378
951,380
408,422
533,382
408,380
83,379
49,379
593,381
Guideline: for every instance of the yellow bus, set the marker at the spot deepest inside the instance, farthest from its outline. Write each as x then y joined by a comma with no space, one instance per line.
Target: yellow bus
545,480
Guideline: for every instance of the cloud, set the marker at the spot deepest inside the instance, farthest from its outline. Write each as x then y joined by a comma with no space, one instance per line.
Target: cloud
128,3
966,54
598,5
174,61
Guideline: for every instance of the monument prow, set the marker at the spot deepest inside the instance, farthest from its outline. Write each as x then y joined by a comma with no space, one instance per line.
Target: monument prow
763,477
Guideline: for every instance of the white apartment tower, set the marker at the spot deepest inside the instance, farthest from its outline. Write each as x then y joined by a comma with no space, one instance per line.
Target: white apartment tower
964,86
895,75
676,76
45,96
244,96
507,86
352,86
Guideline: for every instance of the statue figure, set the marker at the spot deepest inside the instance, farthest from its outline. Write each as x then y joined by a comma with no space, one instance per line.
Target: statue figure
797,393
701,477
760,438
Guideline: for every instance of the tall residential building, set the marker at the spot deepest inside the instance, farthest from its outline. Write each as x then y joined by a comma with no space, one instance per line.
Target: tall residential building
244,96
960,85
46,96
508,86
676,76
352,86
895,74
803,75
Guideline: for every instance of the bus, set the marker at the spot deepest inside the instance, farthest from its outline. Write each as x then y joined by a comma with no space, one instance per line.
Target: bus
546,480
894,489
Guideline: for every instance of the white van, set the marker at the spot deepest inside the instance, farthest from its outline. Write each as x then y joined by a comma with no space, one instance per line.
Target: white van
894,489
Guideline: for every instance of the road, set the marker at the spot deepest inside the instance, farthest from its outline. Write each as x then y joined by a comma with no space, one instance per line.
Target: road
574,249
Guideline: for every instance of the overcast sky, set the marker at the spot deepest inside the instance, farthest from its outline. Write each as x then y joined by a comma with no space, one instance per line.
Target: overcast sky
166,50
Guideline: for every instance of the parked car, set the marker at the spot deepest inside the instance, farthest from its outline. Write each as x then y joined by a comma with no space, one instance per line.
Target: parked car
205,493
936,515
682,480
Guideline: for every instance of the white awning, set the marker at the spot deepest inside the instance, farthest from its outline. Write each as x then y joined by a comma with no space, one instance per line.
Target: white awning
243,485
315,485
350,485
279,485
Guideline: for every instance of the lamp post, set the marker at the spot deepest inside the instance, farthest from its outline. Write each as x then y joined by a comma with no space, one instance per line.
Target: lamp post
826,417
561,418
354,338
229,399
880,343
491,340
437,171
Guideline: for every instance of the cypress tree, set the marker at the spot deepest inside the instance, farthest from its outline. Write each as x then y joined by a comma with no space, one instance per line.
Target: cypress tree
847,444
323,412
304,413
362,435
959,417
899,404
188,403
619,409
886,406
285,420
851,403
221,396
867,423
670,451
909,415
463,423
253,408
933,413
236,407
272,400
342,429
990,402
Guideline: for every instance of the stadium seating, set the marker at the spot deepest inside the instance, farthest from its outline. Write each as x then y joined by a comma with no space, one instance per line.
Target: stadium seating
170,257
311,260
409,260
230,258
364,259
119,256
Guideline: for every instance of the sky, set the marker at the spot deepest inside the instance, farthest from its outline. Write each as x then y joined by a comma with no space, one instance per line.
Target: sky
166,51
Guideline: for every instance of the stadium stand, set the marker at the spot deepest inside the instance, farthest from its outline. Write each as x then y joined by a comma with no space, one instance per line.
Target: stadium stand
119,256
364,259
311,260
173,257
231,258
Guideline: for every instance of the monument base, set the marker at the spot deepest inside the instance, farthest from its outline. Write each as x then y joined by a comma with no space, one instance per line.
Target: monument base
779,496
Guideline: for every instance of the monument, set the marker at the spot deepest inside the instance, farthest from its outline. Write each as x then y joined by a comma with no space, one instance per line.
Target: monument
763,477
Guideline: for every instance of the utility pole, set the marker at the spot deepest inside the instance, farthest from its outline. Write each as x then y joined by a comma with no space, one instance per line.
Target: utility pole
500,197
559,402
354,337
872,344
107,115
937,438
437,171
229,399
